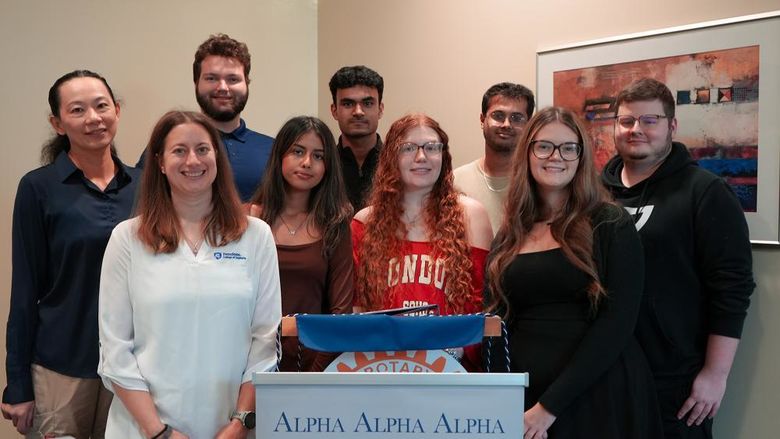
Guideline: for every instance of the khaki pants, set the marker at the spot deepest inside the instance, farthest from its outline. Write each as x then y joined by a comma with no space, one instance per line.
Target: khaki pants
67,406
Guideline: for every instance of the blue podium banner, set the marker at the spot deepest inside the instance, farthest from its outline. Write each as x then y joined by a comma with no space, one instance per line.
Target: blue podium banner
365,333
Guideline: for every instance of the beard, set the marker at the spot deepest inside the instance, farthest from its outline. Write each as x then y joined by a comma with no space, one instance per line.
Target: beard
222,115
497,144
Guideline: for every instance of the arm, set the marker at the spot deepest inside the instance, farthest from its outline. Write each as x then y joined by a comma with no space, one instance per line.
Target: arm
356,227
268,306
722,240
140,405
710,383
245,403
618,245
29,256
340,294
724,264
117,365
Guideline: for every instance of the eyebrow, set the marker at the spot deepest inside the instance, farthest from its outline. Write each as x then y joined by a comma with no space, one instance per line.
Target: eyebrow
84,102
305,147
362,99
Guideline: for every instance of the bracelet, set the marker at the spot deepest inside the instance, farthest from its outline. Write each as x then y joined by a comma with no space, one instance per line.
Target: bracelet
161,434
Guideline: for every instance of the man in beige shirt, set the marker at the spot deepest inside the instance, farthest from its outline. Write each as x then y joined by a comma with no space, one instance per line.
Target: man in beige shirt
506,108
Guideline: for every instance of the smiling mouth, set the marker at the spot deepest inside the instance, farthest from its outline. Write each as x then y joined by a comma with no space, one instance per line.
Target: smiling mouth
193,174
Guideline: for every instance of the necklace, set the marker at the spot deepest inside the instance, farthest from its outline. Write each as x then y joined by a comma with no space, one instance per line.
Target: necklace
487,183
412,221
194,245
291,230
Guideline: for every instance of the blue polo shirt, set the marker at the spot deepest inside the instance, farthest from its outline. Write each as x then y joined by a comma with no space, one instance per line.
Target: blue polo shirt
61,226
248,153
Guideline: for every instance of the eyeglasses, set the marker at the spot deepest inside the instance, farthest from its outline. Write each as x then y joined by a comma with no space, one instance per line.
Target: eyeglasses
430,149
645,120
569,151
515,119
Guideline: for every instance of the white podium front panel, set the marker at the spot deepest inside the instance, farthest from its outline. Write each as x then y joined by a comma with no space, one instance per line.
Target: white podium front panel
389,405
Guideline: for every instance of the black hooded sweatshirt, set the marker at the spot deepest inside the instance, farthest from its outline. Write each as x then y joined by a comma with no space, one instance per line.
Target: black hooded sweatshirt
698,261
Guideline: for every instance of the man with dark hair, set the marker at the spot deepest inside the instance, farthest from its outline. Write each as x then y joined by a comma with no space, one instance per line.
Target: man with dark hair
221,75
506,107
698,259
357,107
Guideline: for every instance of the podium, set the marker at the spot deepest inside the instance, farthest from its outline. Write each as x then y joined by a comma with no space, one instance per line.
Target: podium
389,405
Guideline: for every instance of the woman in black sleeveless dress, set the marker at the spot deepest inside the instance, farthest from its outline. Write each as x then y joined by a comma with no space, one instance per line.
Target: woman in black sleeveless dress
566,273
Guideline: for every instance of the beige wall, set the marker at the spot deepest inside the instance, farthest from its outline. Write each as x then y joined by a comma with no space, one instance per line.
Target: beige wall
145,50
439,56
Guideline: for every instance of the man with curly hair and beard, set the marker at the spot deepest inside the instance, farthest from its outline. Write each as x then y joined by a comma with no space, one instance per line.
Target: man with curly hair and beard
221,75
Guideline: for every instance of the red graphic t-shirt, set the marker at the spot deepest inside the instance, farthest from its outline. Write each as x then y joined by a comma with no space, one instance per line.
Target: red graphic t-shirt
416,278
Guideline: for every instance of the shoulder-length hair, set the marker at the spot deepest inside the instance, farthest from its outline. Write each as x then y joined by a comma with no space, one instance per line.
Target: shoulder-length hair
385,231
572,227
328,202
159,228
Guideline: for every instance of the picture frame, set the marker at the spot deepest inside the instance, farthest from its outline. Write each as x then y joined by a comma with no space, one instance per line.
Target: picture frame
737,97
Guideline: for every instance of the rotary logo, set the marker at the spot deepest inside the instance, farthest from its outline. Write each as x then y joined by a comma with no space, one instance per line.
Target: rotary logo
433,361
217,255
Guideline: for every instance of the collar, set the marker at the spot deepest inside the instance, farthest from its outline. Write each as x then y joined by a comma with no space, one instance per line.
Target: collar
377,146
65,168
239,133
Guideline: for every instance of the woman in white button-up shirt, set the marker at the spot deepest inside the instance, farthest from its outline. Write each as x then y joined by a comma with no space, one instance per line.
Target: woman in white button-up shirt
189,295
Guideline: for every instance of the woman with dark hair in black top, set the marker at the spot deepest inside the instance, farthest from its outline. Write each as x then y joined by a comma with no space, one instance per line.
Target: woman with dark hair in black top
63,216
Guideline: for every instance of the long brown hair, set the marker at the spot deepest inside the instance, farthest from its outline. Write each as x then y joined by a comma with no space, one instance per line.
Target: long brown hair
159,228
385,231
572,228
328,203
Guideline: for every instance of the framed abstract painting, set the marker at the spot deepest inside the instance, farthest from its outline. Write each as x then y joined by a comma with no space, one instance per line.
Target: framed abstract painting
725,76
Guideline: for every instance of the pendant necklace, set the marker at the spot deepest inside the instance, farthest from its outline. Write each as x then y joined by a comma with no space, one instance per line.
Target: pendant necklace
194,246
412,221
291,231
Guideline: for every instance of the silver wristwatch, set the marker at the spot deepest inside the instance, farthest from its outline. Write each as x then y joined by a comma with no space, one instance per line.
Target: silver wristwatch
247,419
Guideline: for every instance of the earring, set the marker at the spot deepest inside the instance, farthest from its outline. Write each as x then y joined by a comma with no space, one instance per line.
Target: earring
162,170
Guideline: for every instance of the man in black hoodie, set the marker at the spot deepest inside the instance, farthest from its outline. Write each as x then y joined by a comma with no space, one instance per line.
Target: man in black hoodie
697,258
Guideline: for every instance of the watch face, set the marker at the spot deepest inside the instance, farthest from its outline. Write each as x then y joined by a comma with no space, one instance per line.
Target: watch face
249,420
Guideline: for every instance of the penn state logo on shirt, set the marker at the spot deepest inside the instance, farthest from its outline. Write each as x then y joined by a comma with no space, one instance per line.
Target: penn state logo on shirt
229,255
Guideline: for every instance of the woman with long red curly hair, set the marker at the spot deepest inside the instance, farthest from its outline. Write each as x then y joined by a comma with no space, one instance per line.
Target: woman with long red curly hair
419,242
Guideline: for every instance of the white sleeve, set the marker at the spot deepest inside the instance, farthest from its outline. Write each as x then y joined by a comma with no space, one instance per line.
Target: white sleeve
268,305
117,362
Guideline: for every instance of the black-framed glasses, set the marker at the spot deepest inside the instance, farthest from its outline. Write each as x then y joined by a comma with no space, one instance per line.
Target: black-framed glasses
430,148
569,151
515,119
645,120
